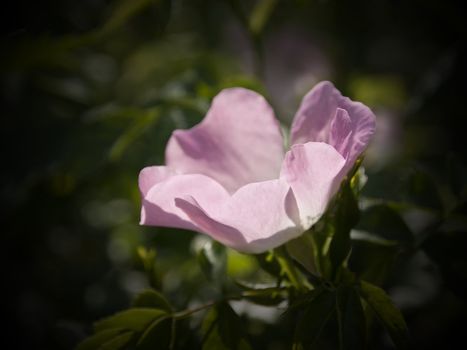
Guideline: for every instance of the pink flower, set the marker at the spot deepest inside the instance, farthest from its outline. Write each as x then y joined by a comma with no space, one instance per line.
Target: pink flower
230,177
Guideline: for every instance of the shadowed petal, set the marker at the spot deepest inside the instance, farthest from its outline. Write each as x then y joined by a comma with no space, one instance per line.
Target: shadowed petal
238,142
319,117
313,170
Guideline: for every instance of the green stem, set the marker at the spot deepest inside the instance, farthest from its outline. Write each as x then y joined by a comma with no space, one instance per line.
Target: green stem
187,313
288,268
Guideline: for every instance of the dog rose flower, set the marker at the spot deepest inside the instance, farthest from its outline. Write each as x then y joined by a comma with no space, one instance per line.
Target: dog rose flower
230,177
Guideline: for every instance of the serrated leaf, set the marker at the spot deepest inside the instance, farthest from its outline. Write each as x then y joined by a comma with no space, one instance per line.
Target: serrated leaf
151,298
223,330
135,319
212,258
351,319
387,313
317,313
158,335
96,340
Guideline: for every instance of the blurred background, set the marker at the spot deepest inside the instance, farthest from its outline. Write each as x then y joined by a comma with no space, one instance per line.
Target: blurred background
91,91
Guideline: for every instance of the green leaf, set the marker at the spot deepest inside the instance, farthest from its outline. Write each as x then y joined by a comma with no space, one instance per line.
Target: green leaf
119,342
346,217
301,250
387,313
135,319
289,270
212,258
223,330
321,236
268,263
385,222
95,341
158,335
317,313
151,298
351,319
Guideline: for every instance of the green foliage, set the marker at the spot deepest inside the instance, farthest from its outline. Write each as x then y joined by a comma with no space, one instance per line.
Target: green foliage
301,250
149,323
387,313
153,299
351,319
317,312
101,338
212,258
222,329
159,334
346,216
134,319
381,254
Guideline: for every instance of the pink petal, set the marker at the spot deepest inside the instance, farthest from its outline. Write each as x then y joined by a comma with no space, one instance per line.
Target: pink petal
258,217
341,132
152,175
261,216
159,208
313,170
318,119
238,142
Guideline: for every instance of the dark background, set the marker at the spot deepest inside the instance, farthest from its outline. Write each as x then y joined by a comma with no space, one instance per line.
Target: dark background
92,89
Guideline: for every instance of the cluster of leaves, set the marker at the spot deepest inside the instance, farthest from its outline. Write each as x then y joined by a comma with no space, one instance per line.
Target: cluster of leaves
327,283
312,285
